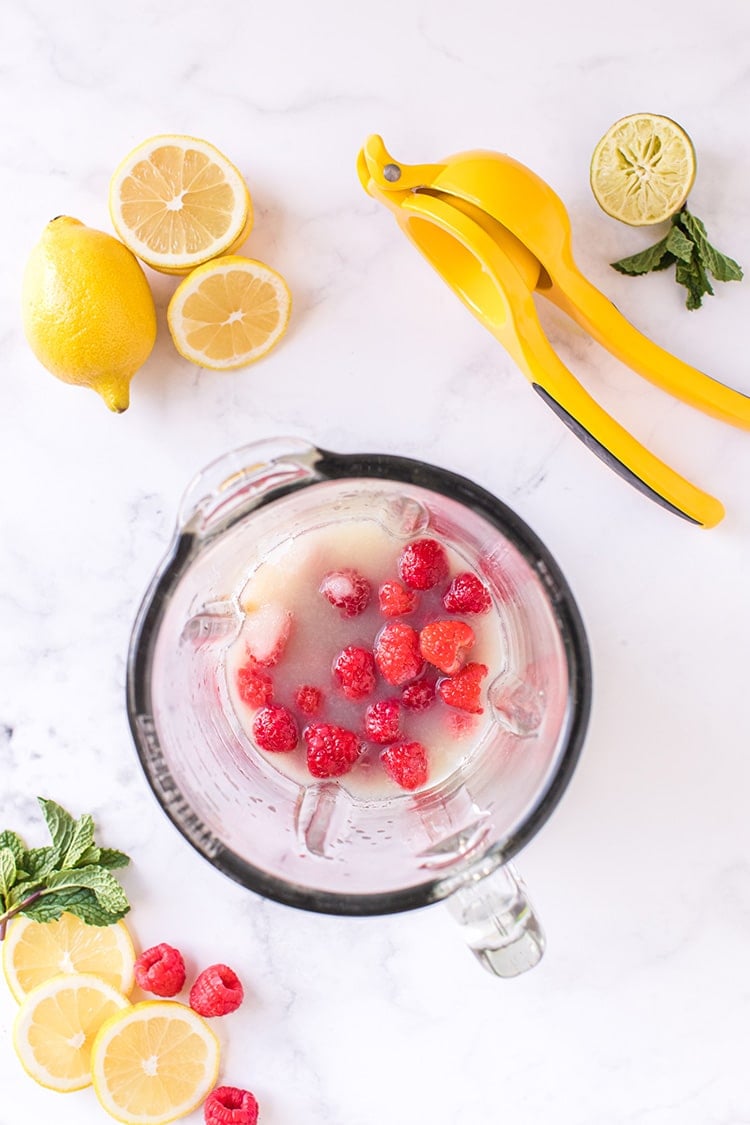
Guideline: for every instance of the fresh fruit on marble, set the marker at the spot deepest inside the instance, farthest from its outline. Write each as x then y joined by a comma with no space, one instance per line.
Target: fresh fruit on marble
217,991
467,594
347,590
331,750
422,564
88,312
266,632
254,686
56,1025
229,312
34,952
354,672
309,699
397,653
446,644
406,763
154,1062
642,169
228,1105
160,970
275,729
463,690
177,202
383,721
395,601
419,695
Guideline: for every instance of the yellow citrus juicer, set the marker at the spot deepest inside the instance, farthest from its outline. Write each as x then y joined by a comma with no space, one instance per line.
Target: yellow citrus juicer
497,233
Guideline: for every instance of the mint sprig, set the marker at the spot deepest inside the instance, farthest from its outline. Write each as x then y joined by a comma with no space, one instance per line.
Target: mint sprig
687,248
71,874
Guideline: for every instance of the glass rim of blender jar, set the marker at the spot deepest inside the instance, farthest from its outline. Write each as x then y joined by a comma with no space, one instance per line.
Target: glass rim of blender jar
331,466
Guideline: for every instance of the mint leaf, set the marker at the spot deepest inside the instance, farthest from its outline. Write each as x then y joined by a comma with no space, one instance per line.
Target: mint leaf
13,841
81,841
646,261
49,907
695,279
109,893
7,873
719,265
60,823
679,244
111,858
89,910
40,862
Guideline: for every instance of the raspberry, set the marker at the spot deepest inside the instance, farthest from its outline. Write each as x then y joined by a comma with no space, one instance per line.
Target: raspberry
275,728
466,594
394,600
406,763
463,690
347,590
331,750
446,644
308,699
228,1105
216,991
383,721
419,695
397,653
354,668
265,632
160,970
253,686
422,564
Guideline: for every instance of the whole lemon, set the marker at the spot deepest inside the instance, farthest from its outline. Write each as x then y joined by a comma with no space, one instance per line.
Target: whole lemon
88,312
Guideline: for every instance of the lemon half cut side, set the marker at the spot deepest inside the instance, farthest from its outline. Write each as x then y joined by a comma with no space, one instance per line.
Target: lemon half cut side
176,201
642,169
154,1063
229,313
55,1028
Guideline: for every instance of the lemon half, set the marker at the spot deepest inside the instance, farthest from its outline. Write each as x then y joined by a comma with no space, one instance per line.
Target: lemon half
34,952
642,169
154,1063
176,201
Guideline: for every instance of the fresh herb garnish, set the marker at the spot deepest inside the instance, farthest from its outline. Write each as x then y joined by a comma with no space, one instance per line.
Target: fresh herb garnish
71,874
687,248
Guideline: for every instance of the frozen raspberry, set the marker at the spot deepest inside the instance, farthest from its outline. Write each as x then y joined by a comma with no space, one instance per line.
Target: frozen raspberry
331,750
397,653
347,590
275,728
216,991
383,721
354,669
467,594
228,1105
160,970
266,632
446,644
308,699
463,690
406,763
422,564
419,695
394,600
254,686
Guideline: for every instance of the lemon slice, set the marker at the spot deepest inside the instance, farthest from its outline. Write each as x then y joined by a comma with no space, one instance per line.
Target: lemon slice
154,1063
33,952
177,201
643,169
55,1027
229,312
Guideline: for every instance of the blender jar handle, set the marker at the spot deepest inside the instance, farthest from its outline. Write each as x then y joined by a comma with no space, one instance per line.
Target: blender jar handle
498,922
237,482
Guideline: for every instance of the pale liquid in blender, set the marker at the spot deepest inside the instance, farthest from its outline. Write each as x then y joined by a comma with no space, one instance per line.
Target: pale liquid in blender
289,577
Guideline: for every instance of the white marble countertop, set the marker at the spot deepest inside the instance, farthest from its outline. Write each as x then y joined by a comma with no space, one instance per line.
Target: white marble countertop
639,1012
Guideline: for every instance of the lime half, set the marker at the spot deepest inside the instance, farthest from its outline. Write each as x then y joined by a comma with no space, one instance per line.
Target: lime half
643,169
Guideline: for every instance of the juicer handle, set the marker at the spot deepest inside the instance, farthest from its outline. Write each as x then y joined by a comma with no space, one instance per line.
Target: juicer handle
498,922
236,483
